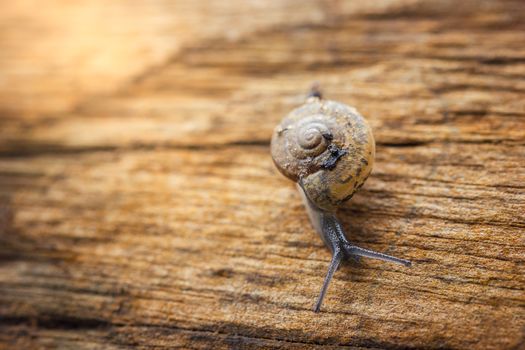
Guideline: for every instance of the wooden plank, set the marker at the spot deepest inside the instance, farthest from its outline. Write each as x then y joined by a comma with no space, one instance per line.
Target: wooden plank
151,216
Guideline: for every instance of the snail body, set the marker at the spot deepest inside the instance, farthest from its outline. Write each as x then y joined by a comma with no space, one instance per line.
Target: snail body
328,149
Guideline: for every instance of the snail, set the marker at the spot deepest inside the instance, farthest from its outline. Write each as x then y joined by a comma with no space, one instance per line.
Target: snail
328,149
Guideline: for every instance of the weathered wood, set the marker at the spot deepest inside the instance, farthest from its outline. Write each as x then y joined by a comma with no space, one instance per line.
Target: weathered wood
144,211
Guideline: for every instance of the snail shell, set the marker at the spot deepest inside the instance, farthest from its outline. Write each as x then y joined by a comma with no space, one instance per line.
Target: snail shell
326,147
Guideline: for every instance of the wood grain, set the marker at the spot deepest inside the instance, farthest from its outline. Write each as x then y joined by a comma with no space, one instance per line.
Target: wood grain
139,206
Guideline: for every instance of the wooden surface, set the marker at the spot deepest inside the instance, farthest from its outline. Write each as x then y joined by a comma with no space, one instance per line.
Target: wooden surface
140,209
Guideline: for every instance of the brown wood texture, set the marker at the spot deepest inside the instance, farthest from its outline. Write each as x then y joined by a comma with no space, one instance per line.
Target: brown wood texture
140,209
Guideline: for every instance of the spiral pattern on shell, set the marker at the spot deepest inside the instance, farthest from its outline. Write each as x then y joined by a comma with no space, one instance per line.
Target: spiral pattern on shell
312,135
327,147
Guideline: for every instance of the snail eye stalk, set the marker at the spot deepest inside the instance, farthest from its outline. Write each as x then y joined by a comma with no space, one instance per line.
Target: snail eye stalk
334,264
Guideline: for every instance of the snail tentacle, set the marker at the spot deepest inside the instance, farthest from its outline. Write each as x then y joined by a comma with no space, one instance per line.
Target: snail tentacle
355,250
334,264
315,91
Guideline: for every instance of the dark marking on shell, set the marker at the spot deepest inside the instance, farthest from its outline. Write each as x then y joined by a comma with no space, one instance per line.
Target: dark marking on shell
347,198
346,179
358,173
335,154
328,136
